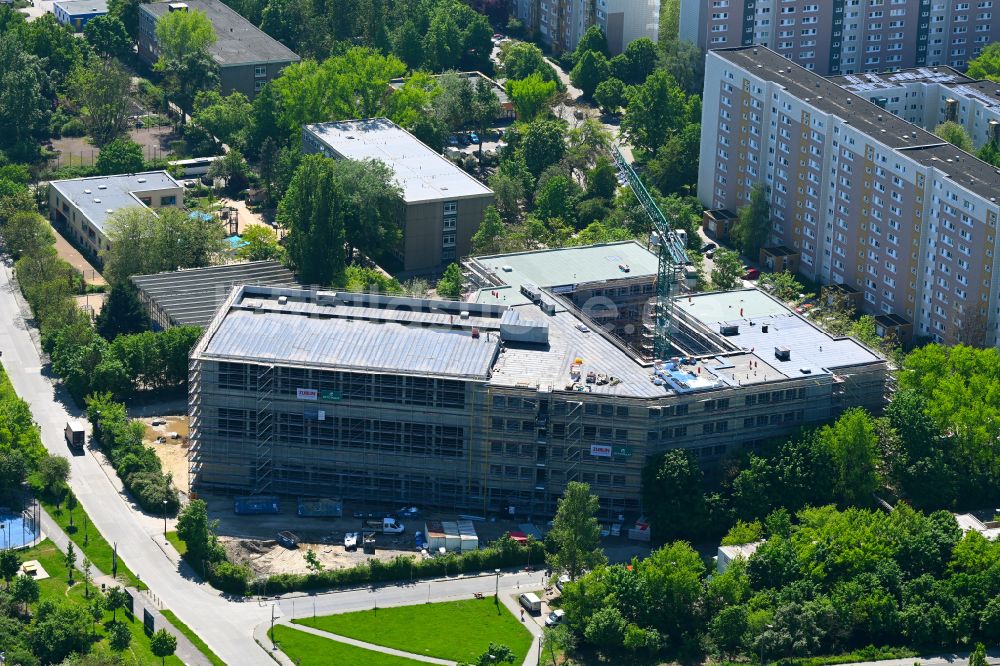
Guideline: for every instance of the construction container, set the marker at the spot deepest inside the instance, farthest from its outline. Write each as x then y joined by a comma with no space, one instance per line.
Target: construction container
467,536
255,506
320,507
453,542
434,534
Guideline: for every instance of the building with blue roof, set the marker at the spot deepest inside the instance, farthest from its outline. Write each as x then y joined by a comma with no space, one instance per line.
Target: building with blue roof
76,13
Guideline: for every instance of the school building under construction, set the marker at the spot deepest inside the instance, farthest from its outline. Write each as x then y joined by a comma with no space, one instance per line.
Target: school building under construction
494,405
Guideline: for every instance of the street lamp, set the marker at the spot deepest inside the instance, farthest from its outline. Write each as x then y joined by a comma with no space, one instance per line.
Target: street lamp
164,519
496,595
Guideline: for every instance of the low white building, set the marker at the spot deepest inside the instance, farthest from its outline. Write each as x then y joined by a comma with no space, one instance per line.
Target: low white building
989,529
729,554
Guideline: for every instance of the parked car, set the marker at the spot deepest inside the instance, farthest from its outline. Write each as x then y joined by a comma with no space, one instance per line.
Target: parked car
473,138
555,617
751,274
563,579
408,512
708,246
452,140
710,254
463,139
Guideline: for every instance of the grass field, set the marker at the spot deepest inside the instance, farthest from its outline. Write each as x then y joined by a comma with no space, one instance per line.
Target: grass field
177,542
57,588
193,637
456,630
88,540
308,650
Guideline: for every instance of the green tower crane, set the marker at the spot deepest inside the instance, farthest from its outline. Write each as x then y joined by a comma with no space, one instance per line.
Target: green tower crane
671,253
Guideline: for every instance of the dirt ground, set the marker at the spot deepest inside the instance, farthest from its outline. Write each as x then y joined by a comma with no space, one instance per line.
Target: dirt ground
91,303
78,151
269,557
172,451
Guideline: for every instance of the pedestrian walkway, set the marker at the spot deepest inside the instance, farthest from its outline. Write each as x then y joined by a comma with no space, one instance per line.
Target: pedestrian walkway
529,623
71,255
368,646
186,651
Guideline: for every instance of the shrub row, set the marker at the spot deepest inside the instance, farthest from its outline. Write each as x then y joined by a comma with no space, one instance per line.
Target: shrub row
137,465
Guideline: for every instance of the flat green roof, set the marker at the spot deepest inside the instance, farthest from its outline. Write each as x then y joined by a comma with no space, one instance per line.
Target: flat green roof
725,306
571,265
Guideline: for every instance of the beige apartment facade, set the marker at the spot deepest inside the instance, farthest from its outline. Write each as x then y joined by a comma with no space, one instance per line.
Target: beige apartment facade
870,200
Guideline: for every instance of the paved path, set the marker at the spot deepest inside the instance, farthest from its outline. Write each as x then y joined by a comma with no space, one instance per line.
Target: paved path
186,651
67,252
956,659
369,646
226,626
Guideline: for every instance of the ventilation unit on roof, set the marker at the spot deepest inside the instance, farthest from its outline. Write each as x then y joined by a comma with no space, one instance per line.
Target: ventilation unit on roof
729,329
102,187
142,180
87,191
282,300
782,353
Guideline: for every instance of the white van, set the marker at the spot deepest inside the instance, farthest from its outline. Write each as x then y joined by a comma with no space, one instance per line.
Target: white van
531,602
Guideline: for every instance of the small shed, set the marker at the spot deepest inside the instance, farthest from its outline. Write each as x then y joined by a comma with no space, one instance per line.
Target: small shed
729,554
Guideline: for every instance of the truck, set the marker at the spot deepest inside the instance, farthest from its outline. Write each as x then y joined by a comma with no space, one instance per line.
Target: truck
76,435
384,525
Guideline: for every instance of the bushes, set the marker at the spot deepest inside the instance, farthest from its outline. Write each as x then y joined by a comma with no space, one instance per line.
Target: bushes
137,465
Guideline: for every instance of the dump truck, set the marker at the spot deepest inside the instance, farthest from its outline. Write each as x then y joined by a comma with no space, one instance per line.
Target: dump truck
76,435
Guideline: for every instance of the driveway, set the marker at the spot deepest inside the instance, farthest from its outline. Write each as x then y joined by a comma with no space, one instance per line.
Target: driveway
37,9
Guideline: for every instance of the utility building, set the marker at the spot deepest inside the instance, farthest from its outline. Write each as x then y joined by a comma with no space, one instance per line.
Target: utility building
442,206
489,408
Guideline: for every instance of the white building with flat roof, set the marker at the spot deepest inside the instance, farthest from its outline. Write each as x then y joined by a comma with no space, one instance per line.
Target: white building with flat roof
442,206
82,206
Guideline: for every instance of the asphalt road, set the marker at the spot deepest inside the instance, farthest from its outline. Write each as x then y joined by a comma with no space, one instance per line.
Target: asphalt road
225,626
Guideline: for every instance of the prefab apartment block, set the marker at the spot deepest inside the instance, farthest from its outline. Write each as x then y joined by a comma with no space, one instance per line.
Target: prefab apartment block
442,206
486,408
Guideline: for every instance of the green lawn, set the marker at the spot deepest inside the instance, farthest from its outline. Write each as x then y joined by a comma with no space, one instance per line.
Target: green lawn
308,650
56,587
193,637
88,540
177,542
456,630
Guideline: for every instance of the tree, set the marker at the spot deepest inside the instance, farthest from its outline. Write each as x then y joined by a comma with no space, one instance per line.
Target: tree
530,96
115,598
70,561
95,608
592,41
783,285
485,110
558,638
162,644
956,135
727,270
232,168
685,62
53,473
119,636
316,223
197,532
675,167
71,504
228,119
58,630
753,226
145,242
108,36
120,156
728,630
656,109
450,284
610,95
637,62
23,110
542,145
495,654
853,445
606,628
489,238
990,153
672,489
987,64
259,243
24,590
590,71
183,39
122,313
312,561
575,538
26,233
10,564
519,60
87,569
602,180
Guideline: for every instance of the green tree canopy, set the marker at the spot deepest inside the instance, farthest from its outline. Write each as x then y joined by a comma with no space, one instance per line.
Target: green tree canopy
531,95
656,109
450,284
591,70
753,226
104,90
956,135
727,271
120,156
574,542
987,64
108,36
519,60
610,95
592,41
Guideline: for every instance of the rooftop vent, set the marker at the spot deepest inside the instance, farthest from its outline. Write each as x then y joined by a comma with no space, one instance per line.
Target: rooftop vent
282,300
464,314
729,329
102,187
109,211
142,180
87,191
97,201
806,371
783,353
177,7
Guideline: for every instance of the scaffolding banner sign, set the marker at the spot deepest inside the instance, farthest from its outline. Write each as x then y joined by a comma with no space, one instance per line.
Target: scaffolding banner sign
315,415
306,394
623,452
330,395
600,450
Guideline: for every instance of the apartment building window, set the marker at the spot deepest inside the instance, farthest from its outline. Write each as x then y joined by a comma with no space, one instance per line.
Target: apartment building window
168,201
260,70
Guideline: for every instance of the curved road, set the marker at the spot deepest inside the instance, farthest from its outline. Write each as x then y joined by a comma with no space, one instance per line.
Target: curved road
227,625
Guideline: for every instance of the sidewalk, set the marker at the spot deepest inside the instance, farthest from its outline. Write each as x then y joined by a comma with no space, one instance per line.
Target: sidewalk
70,254
186,651
530,623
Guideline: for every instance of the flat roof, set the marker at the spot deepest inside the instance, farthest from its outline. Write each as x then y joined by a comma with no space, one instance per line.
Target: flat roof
191,296
473,78
423,174
911,140
871,82
86,7
238,42
100,196
563,267
750,310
